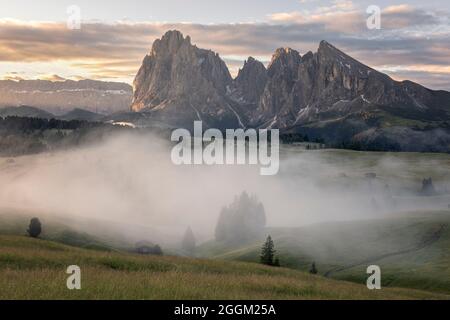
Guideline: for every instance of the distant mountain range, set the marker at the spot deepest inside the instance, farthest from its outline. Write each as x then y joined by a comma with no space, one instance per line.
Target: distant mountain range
326,94
25,111
33,112
62,96
128,118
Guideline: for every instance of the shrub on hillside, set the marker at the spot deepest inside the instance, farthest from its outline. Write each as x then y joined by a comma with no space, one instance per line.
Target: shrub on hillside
35,228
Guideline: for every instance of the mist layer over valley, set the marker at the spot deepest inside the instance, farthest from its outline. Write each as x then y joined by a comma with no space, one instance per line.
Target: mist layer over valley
129,184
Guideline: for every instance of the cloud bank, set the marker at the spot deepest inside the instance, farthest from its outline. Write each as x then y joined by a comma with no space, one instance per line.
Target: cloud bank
412,43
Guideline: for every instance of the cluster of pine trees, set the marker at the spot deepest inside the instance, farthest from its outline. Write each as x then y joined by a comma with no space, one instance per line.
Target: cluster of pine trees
243,220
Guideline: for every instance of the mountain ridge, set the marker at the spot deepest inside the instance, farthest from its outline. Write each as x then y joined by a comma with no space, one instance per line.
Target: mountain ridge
59,97
179,83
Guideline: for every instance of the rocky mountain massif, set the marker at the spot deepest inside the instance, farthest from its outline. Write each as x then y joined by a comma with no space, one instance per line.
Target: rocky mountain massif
326,94
60,97
179,83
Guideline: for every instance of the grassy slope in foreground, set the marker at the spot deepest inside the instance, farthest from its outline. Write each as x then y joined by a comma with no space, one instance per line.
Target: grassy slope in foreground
412,249
35,269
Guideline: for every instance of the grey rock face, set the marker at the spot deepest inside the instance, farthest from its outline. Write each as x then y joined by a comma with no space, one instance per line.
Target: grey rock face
179,83
251,81
278,100
326,94
330,84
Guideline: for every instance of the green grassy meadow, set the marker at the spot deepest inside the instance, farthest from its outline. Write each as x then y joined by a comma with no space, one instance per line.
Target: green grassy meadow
35,269
413,249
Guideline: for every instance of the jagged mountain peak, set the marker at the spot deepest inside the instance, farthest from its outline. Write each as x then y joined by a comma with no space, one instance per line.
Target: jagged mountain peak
251,64
284,56
170,42
251,80
284,51
252,61
326,47
331,53
179,83
328,50
284,61
173,34
325,44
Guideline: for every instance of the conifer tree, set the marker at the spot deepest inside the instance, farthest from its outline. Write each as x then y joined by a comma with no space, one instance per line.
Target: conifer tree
268,252
313,269
188,243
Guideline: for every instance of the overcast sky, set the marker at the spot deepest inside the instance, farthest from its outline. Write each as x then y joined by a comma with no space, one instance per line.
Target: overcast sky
413,42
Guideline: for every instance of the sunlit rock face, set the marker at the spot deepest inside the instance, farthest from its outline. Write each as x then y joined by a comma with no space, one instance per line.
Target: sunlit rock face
179,83
325,94
329,84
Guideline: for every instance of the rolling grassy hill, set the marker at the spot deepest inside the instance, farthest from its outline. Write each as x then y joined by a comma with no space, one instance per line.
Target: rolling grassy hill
412,249
14,222
35,269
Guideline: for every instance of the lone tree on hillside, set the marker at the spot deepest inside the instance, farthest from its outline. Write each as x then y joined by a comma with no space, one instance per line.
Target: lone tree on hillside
188,243
313,269
268,252
35,228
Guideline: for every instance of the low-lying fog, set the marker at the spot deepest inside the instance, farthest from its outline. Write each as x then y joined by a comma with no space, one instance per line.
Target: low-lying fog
130,181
